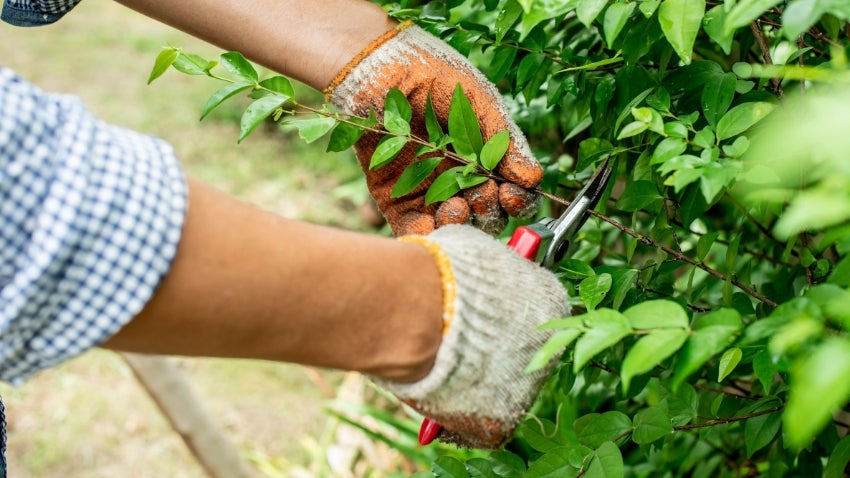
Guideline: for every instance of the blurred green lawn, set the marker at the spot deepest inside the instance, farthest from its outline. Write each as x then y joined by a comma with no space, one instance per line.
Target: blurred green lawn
89,418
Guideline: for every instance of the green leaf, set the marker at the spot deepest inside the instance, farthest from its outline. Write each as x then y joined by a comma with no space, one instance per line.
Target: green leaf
800,15
507,464
728,361
714,24
607,462
668,149
648,7
745,12
224,93
343,136
606,327
760,431
764,369
704,245
680,21
651,424
622,285
235,63
576,269
649,351
413,175
463,125
657,314
593,289
838,459
448,467
528,68
553,464
588,10
279,84
192,64
432,125
554,346
397,112
632,129
711,333
594,429
741,118
537,11
478,468
466,181
494,150
163,60
615,19
444,187
717,96
312,128
638,195
506,18
819,386
257,112
501,63
387,149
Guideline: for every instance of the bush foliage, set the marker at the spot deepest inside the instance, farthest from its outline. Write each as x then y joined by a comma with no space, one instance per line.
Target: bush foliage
710,289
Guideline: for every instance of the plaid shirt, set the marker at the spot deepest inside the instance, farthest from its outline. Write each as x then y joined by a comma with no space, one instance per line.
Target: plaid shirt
90,218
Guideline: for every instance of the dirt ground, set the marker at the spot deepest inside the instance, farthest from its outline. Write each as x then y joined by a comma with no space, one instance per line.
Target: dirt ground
89,418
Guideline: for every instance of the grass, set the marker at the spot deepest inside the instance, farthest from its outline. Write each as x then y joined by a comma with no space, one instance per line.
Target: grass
88,417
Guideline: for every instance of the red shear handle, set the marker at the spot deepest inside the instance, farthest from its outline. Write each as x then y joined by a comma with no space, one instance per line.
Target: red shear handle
526,243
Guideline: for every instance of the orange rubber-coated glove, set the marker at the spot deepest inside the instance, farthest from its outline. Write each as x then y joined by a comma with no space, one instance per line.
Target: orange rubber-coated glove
418,63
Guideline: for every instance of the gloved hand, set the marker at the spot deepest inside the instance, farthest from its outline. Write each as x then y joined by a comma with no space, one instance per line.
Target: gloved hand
418,63
493,301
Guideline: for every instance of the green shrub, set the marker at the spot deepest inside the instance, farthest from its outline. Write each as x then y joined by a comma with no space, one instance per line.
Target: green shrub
710,289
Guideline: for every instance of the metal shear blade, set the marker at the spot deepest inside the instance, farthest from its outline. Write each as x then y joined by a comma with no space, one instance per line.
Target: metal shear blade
568,224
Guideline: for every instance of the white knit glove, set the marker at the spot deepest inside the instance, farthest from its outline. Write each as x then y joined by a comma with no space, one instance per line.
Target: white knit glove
494,299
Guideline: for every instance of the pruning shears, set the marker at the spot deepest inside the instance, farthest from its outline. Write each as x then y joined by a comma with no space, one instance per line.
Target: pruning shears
545,242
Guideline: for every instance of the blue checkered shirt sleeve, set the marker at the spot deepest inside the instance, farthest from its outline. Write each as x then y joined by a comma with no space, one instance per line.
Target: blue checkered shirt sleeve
90,218
32,13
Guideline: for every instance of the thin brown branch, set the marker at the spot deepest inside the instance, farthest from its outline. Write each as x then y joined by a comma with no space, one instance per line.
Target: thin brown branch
675,254
765,53
723,421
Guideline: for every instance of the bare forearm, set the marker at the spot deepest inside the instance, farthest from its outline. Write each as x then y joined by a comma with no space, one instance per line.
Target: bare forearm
308,40
247,283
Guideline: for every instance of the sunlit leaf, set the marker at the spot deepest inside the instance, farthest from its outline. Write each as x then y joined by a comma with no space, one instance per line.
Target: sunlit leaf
680,21
163,60
494,150
649,351
728,361
444,186
593,289
741,118
224,93
235,63
605,328
387,149
257,112
712,333
615,19
312,128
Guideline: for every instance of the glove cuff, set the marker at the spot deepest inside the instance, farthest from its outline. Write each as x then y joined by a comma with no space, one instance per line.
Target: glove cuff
371,47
